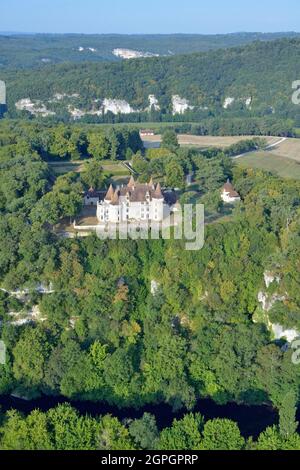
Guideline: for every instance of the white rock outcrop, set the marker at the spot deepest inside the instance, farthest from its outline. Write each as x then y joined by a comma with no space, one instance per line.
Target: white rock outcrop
117,106
76,113
269,301
228,102
269,278
35,107
62,96
279,332
23,318
40,288
248,102
154,287
180,105
132,54
153,103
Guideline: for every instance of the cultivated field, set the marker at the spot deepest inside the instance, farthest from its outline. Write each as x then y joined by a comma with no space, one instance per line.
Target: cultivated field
290,148
269,161
283,159
204,141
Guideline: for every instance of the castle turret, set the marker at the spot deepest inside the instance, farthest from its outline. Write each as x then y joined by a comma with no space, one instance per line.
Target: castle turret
131,183
115,199
110,194
158,192
151,183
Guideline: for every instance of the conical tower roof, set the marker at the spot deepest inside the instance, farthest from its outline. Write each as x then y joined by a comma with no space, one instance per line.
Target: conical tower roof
158,193
110,193
131,183
115,199
151,183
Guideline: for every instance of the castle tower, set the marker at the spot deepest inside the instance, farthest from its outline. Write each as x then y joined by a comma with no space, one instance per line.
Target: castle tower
131,183
110,194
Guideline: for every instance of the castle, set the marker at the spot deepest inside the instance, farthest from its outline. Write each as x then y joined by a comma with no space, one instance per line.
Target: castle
138,202
133,202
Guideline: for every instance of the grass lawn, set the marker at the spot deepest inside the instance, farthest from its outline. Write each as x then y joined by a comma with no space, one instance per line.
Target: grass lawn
110,168
61,168
269,161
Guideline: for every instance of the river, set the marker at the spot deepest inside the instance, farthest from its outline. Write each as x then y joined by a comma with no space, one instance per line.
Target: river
252,420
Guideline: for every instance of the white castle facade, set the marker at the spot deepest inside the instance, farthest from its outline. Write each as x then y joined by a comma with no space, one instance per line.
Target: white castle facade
133,202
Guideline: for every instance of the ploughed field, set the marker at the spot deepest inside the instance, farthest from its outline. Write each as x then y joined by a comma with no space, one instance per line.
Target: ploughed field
282,160
204,141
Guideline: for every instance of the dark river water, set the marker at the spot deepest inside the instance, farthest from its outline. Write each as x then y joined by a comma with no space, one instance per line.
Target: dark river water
252,420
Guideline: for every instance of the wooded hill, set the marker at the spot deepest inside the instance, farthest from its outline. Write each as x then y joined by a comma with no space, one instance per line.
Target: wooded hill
34,50
261,73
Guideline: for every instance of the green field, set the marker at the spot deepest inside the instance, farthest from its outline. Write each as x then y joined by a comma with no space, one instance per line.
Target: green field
61,168
136,125
110,168
267,161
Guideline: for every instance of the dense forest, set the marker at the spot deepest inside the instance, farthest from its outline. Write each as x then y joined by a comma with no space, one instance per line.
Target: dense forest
34,50
98,332
256,80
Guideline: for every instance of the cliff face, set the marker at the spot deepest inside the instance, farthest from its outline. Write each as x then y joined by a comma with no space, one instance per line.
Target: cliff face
267,301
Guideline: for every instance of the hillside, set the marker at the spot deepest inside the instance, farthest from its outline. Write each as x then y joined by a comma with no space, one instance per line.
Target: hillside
253,80
34,50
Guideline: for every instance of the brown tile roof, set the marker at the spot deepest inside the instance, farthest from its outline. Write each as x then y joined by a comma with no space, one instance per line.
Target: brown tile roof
131,183
110,193
158,193
228,188
93,193
115,199
136,192
146,131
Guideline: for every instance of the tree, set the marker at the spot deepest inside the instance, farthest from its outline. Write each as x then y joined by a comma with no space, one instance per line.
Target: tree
30,355
270,439
31,433
98,146
65,200
92,175
144,432
113,144
139,163
174,175
287,415
185,434
222,434
170,141
113,435
71,431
